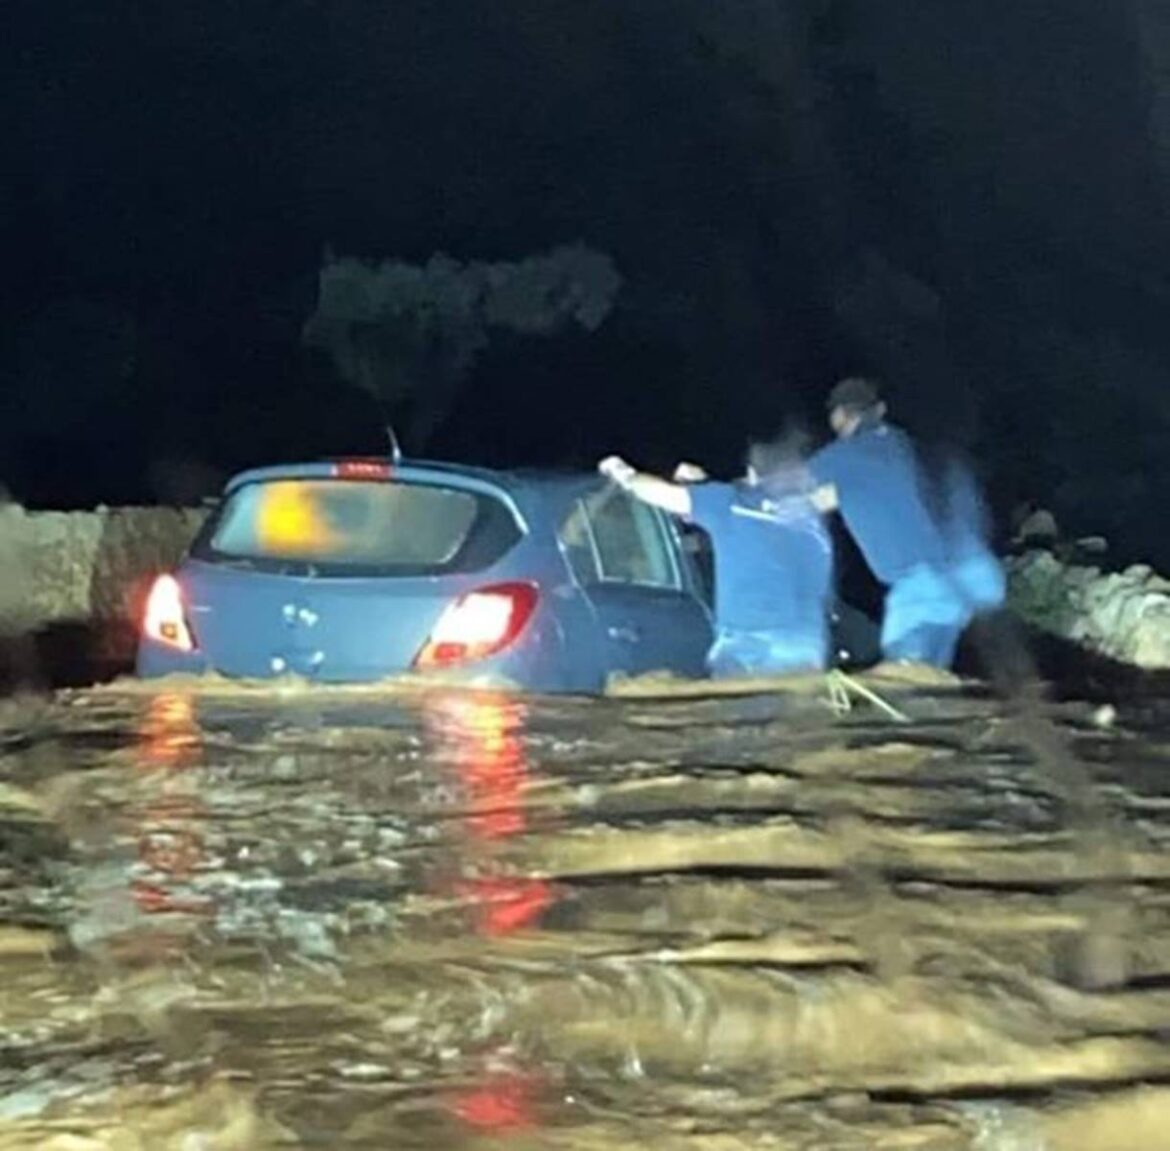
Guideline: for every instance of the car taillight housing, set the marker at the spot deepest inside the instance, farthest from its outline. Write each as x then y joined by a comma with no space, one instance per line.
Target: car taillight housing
479,624
165,621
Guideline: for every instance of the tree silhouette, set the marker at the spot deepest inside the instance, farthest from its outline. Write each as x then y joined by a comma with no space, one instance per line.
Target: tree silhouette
409,334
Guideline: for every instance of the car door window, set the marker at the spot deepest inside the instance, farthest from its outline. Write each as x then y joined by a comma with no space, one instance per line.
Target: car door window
632,545
576,539
699,556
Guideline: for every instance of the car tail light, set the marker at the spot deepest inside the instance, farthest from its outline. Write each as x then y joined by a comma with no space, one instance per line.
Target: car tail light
478,624
165,621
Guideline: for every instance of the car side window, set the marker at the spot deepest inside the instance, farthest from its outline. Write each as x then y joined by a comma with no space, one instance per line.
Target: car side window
632,545
700,557
577,545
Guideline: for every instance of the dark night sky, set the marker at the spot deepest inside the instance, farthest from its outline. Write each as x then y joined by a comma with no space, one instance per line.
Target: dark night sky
968,199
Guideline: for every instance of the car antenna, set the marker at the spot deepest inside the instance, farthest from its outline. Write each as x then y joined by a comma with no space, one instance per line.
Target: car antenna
395,447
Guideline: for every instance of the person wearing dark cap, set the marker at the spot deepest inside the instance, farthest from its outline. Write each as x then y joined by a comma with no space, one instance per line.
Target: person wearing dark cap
923,536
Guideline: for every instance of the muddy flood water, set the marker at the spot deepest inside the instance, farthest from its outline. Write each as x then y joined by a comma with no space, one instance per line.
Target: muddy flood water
247,920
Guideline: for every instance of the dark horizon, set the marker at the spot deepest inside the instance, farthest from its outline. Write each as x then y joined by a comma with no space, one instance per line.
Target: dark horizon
968,204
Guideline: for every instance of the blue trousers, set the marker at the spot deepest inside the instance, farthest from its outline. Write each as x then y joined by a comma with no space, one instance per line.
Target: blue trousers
774,652
929,608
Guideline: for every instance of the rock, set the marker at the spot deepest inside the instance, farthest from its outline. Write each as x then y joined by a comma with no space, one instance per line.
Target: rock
1036,529
1151,644
86,568
1123,615
15,598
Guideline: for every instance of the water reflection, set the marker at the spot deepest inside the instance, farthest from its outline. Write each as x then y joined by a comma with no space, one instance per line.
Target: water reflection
481,739
480,736
504,1101
171,846
169,734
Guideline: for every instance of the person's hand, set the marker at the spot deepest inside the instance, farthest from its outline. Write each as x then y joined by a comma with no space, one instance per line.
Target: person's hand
689,474
616,469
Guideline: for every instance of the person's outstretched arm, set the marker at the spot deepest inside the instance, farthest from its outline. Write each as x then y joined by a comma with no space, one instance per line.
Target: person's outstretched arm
673,498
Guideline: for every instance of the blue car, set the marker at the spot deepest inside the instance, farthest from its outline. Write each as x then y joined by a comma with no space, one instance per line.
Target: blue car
358,570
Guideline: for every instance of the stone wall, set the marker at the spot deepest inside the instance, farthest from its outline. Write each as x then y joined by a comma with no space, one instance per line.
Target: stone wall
86,574
1123,615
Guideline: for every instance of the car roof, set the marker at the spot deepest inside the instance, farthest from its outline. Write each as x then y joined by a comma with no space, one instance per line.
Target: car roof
535,477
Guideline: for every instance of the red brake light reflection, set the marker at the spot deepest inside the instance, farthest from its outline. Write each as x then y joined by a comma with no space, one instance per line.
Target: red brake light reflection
503,1102
479,624
508,904
164,621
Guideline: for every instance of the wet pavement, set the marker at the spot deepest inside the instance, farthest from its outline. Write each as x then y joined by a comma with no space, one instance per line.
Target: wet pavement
245,919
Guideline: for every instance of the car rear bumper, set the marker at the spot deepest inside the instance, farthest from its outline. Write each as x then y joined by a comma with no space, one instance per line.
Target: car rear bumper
516,671
155,660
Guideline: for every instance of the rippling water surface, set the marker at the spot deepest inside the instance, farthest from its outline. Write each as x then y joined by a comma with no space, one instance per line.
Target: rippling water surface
248,920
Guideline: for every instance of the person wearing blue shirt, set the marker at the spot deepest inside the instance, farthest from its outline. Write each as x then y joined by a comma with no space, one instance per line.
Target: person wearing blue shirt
923,536
773,560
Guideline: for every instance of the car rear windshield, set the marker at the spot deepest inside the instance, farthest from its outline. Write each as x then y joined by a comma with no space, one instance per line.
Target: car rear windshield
351,527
